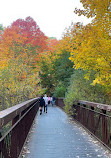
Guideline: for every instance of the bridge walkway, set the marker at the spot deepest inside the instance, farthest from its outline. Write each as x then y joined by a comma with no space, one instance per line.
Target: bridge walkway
55,135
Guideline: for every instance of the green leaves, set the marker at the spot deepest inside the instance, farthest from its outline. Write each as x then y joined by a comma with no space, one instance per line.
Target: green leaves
82,89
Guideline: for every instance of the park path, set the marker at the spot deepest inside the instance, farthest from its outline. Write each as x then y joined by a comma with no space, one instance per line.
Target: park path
55,135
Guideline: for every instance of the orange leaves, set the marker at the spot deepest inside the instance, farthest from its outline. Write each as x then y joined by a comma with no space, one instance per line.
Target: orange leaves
9,41
21,76
22,39
48,54
11,35
52,43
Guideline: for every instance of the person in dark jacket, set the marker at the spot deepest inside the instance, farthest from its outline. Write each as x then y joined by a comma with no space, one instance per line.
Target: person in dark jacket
53,100
41,104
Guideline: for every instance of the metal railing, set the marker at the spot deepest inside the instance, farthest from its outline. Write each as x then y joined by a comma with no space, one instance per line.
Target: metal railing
15,123
95,117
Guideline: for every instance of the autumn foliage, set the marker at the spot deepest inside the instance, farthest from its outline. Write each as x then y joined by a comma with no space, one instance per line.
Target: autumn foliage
20,47
32,32
31,63
92,43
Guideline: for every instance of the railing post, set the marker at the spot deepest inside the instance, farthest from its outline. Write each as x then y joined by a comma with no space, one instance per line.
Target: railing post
56,102
84,115
78,112
3,148
104,127
14,138
92,119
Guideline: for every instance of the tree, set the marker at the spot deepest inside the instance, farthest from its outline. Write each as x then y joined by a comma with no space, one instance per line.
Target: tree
10,40
18,83
23,37
92,43
1,30
46,59
56,68
20,46
62,68
99,10
31,30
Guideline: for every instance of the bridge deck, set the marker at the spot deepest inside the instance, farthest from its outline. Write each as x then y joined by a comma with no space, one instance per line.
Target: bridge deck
55,135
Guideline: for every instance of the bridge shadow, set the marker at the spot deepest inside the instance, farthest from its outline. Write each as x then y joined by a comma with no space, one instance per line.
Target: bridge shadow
55,135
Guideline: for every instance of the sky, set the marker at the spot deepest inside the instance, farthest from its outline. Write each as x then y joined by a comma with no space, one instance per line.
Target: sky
52,16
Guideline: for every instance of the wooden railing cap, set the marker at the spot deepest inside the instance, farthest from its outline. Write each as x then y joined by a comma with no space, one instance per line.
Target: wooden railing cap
97,105
8,114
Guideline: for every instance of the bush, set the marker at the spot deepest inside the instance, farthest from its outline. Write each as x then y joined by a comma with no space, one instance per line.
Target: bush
81,89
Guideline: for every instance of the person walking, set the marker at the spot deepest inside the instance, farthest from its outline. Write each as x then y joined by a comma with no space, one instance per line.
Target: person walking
49,100
41,104
46,102
53,100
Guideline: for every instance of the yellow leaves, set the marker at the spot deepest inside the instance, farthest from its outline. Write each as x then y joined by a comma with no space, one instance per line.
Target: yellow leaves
101,62
90,49
87,76
3,63
95,81
18,80
63,45
96,8
33,79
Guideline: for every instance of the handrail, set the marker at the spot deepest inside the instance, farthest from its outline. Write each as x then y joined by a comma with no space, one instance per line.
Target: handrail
8,114
96,105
